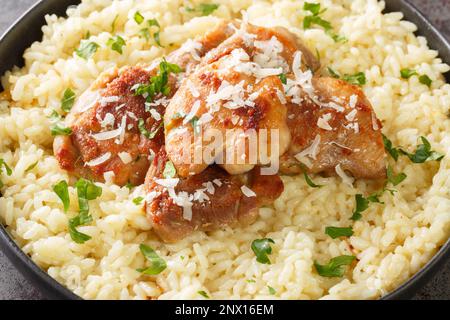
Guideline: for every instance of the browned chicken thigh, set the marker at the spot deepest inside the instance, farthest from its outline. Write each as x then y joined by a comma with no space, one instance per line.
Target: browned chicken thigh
334,130
141,122
206,201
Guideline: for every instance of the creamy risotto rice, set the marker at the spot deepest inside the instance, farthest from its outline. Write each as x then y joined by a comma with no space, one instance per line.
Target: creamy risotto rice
392,241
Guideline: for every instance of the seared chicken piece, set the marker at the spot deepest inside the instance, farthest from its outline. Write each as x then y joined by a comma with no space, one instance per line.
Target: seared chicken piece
207,201
333,129
113,129
236,87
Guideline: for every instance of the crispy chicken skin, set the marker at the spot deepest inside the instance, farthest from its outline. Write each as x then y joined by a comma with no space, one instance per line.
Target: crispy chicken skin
224,205
354,141
111,96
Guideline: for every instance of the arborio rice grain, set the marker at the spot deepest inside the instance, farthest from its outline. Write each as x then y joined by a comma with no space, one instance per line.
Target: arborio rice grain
403,234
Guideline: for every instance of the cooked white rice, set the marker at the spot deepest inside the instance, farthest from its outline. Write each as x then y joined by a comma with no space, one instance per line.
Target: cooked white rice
403,234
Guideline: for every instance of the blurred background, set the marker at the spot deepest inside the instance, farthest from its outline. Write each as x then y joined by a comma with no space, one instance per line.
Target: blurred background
14,286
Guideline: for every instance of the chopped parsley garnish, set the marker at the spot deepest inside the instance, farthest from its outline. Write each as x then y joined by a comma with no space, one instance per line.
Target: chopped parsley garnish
336,232
137,201
203,294
310,182
54,116
388,146
408,73
31,167
157,263
262,248
205,9
116,43
393,178
146,32
195,125
169,170
424,79
251,281
272,291
159,83
362,204
86,191
57,130
138,17
145,132
314,19
335,267
422,154
129,185
283,78
67,100
62,191
7,169
87,49
358,78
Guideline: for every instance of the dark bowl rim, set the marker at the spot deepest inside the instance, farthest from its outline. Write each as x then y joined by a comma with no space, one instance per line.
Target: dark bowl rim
42,280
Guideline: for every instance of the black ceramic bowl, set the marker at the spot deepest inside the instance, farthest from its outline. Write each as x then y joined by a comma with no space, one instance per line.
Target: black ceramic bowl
27,29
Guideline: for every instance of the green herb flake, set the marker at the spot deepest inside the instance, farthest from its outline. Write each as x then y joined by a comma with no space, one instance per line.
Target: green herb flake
310,182
283,78
407,73
55,116
86,191
159,83
314,8
138,17
116,43
129,185
204,9
67,100
251,281
423,153
262,248
57,130
358,79
77,236
156,34
203,294
195,125
169,170
3,164
62,191
395,179
87,49
7,169
31,166
272,291
335,267
145,132
336,232
333,73
362,204
388,146
138,201
158,265
424,79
